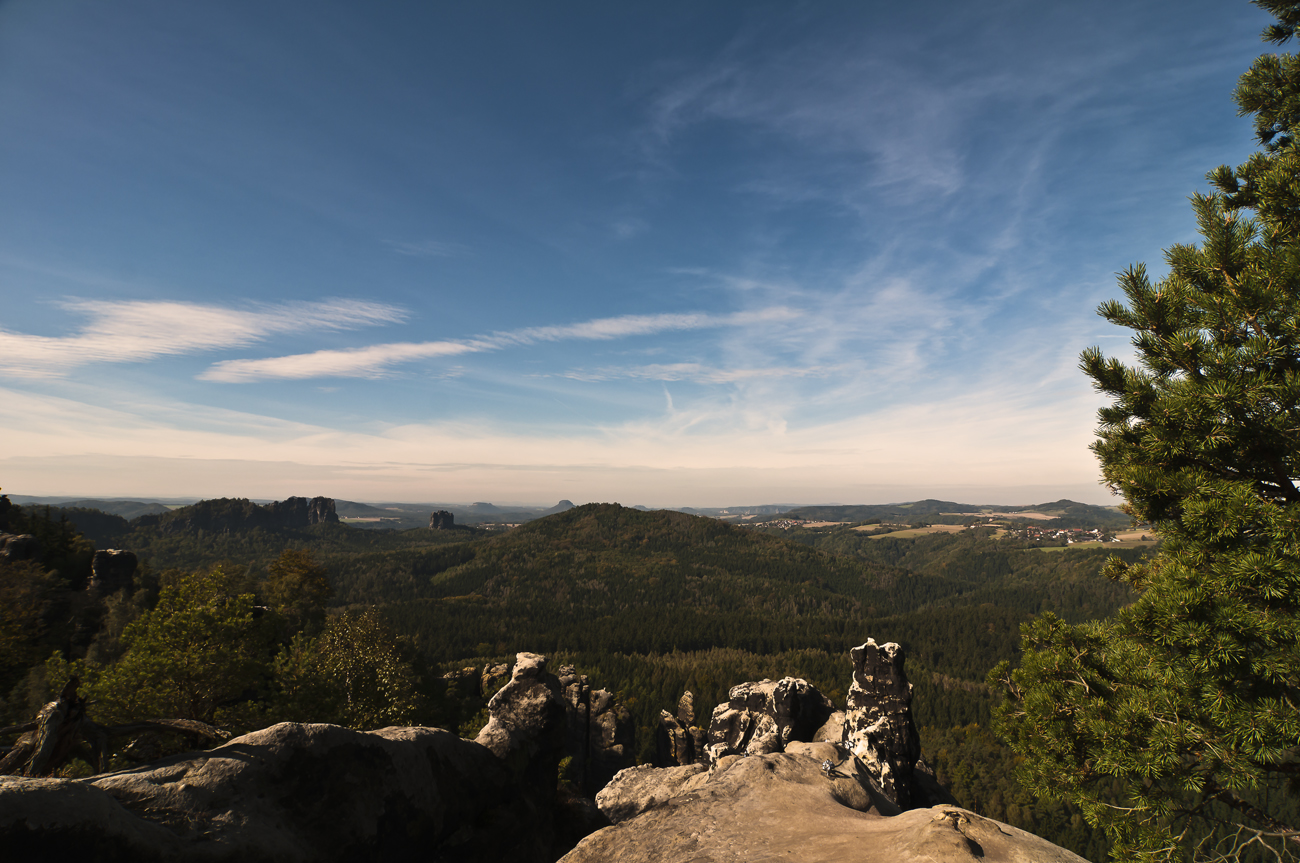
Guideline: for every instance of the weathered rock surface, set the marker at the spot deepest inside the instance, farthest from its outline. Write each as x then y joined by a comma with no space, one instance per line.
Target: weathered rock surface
598,732
636,789
832,731
764,717
19,546
442,520
878,726
677,744
300,793
526,725
785,807
112,569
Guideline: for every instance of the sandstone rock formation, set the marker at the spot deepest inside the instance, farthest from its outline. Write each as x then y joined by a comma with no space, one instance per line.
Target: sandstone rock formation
598,732
442,520
112,569
493,677
785,776
765,716
878,726
526,725
678,740
467,682
240,514
300,793
643,787
786,807
19,546
787,779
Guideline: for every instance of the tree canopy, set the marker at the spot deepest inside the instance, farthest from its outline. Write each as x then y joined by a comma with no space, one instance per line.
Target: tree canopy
1189,699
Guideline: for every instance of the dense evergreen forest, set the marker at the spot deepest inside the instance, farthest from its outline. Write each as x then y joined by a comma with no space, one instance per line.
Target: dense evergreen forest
648,604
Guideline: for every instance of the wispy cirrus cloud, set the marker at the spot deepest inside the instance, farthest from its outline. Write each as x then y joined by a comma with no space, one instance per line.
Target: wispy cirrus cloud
139,330
377,360
427,248
695,372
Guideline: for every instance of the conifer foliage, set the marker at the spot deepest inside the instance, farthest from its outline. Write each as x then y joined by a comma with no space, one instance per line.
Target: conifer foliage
1188,702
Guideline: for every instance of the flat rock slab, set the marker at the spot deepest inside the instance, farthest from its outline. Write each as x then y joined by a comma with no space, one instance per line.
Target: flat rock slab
781,807
287,794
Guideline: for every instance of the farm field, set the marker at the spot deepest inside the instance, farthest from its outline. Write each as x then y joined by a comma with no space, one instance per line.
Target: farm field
918,531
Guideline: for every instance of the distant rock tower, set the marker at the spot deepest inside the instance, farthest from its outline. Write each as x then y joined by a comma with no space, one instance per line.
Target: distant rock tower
442,520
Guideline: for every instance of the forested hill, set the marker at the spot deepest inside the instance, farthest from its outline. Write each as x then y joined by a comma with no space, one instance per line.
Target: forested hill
648,603
1061,513
605,577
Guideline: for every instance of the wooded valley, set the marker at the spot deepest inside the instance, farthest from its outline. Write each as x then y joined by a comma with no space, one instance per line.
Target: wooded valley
647,604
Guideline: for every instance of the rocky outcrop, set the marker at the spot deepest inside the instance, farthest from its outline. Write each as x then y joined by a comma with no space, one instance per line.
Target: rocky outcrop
780,756
19,546
7,511
226,514
787,778
526,723
494,676
308,793
465,682
442,520
678,740
292,793
112,569
764,717
643,787
788,807
878,726
598,732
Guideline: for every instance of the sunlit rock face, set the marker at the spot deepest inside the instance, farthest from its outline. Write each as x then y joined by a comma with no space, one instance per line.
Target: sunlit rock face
878,726
785,776
786,806
766,716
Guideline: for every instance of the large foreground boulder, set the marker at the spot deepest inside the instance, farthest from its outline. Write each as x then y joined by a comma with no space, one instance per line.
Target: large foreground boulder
290,793
789,806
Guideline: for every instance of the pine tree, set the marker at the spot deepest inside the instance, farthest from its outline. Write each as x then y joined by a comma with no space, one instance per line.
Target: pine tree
1176,723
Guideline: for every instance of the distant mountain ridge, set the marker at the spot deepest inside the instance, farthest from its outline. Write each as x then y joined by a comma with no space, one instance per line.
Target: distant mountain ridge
229,515
1061,513
128,509
243,514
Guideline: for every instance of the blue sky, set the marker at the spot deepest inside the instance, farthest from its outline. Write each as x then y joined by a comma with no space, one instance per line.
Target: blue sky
659,253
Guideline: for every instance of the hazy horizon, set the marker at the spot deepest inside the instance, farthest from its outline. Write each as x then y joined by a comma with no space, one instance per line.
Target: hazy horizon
679,254
505,504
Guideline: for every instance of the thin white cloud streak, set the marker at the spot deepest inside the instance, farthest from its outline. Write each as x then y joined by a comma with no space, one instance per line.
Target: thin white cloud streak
139,330
427,248
694,372
376,360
